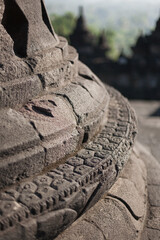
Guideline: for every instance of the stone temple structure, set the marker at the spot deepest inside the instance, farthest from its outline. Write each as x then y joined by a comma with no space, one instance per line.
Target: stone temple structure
91,50
137,77
64,136
82,39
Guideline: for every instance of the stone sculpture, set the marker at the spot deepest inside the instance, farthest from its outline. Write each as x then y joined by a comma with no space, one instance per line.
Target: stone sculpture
64,137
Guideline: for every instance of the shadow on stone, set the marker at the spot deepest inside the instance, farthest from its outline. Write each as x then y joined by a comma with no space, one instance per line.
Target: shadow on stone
156,113
16,24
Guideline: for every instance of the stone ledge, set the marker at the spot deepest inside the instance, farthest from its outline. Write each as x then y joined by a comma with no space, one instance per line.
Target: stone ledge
59,124
72,149
152,226
77,184
29,78
120,214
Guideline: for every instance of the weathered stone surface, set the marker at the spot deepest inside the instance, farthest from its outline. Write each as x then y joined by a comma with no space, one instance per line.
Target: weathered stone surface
9,207
113,218
54,121
59,106
20,91
88,104
52,223
153,234
154,218
108,219
81,181
63,45
125,191
144,153
11,66
152,227
11,234
84,71
84,230
15,127
62,146
83,103
154,176
28,230
36,37
50,115
55,76
19,155
154,195
40,53
21,165
95,90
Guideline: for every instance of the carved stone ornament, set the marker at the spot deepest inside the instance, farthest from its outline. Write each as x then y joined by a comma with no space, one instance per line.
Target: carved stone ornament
64,136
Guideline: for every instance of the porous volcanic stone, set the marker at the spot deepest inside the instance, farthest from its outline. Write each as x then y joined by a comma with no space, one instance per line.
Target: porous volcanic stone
80,182
65,137
112,217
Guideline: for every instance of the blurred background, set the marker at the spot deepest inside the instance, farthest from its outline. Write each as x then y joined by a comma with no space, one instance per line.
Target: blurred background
118,39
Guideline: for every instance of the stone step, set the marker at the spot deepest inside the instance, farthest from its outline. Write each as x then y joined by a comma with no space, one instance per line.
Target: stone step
58,196
57,124
121,213
56,67
64,136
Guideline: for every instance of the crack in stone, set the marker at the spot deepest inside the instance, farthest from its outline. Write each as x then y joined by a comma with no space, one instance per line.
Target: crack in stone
70,102
42,80
41,138
126,205
33,125
81,85
91,197
30,66
86,76
3,90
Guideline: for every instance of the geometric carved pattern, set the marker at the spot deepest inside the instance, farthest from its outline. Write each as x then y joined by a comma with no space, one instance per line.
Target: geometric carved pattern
78,183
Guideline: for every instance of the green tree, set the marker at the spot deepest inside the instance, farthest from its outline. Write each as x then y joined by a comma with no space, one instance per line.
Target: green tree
63,24
111,37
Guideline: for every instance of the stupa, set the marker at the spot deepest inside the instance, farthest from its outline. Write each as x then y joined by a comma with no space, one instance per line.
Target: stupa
64,136
82,39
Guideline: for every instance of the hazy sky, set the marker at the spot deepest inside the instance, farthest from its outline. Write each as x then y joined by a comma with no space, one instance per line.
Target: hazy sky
75,3
92,1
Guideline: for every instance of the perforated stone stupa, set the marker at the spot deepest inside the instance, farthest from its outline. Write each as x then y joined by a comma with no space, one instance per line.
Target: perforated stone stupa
64,136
